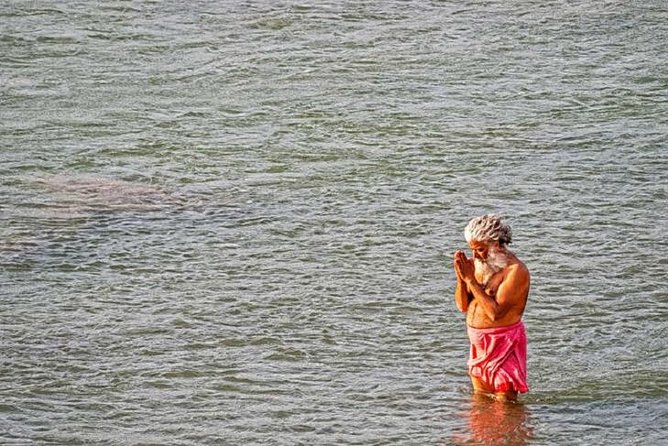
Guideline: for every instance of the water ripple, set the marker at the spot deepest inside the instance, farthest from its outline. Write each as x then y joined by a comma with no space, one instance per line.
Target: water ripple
234,223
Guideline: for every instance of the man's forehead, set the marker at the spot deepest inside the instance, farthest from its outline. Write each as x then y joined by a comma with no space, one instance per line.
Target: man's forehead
478,244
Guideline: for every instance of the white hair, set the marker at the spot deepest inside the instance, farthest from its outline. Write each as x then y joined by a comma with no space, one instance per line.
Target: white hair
487,228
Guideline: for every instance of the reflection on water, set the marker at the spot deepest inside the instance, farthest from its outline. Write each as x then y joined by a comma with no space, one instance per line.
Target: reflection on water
494,423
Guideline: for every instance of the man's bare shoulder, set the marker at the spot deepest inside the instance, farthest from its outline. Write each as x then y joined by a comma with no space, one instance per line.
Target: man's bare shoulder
517,267
516,276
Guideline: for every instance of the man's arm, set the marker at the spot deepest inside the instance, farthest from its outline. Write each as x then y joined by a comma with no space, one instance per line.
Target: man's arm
462,296
511,293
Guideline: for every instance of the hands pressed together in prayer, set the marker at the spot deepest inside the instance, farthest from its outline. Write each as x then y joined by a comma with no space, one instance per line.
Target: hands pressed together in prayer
464,267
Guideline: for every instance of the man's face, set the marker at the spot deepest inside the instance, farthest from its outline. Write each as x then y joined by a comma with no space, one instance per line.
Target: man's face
479,249
488,258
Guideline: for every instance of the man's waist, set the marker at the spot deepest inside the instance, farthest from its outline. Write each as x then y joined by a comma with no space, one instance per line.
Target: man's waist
496,330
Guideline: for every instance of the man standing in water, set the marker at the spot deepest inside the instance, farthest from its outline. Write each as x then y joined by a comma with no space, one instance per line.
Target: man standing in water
492,289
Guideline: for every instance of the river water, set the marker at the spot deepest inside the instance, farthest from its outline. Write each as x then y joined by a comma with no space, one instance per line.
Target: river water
232,222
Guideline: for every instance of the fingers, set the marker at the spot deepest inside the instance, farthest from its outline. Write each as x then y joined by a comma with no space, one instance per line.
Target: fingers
462,264
459,262
459,268
458,271
461,257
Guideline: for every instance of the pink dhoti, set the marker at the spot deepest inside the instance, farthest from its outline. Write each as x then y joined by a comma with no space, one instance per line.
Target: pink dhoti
499,357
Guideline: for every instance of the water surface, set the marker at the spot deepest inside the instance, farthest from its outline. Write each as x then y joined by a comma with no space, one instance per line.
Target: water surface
232,222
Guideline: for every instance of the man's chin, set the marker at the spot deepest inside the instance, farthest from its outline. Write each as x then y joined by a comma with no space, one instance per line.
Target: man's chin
484,270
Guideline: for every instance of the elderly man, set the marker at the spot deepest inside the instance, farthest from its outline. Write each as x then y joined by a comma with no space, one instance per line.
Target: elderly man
492,289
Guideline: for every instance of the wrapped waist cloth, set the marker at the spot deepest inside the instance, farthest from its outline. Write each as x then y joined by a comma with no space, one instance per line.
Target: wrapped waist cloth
499,357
